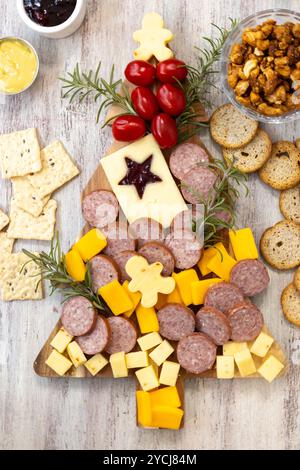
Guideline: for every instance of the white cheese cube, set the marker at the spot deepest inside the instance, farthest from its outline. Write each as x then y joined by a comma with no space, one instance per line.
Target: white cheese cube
232,347
225,367
61,340
245,362
169,373
118,365
59,363
149,341
262,344
161,352
147,378
95,364
136,360
270,369
76,354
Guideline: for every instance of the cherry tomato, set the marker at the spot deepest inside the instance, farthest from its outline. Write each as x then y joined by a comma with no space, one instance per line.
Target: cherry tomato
171,99
127,128
140,73
164,129
171,69
144,102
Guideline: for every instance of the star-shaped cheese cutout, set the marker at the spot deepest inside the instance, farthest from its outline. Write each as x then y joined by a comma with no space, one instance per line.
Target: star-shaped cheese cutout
153,39
147,279
139,175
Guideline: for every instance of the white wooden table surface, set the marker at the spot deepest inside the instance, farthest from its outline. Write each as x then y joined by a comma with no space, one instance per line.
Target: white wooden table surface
37,413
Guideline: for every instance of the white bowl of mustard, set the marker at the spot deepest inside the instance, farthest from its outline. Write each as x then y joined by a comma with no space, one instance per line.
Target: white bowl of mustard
19,65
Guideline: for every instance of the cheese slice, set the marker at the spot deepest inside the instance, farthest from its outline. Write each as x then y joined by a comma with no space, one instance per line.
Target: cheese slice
161,201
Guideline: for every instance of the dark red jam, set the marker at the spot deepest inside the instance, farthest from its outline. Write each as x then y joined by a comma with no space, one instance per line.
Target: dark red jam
139,175
49,12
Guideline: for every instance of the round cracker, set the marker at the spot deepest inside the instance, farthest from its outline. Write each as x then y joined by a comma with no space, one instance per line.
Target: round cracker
289,204
280,245
282,170
290,302
230,128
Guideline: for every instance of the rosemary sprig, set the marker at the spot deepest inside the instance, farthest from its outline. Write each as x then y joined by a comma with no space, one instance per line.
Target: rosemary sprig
199,79
82,84
223,198
53,268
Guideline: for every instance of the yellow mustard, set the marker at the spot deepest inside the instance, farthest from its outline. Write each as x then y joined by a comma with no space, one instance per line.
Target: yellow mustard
18,65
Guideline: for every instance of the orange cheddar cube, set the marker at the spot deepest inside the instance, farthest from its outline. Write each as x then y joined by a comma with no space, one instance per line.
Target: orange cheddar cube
90,244
168,417
75,265
243,244
183,281
199,289
221,264
135,298
116,297
147,319
165,396
174,297
144,413
208,254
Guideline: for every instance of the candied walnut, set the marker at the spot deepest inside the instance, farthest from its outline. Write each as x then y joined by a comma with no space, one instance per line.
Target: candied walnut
233,75
271,81
298,65
283,33
245,101
237,54
255,98
267,27
264,108
278,96
296,30
263,44
241,87
250,37
295,75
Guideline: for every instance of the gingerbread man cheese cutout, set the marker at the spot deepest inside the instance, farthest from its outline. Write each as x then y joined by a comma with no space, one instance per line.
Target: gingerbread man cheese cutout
147,279
153,38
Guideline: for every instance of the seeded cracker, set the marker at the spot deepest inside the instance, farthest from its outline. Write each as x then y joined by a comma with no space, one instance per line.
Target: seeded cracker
57,169
19,153
25,226
4,220
17,285
27,197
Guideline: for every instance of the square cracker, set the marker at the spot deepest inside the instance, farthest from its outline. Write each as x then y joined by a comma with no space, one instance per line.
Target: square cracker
18,283
25,226
57,169
6,247
27,197
19,153
4,219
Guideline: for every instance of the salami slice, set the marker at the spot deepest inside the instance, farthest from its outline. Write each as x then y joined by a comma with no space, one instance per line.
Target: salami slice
251,276
78,316
118,238
223,296
95,341
185,157
246,322
175,321
100,208
214,324
123,335
155,251
146,230
198,185
186,248
196,353
103,271
121,260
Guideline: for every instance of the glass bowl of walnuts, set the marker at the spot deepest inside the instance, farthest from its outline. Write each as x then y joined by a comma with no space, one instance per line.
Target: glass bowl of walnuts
260,66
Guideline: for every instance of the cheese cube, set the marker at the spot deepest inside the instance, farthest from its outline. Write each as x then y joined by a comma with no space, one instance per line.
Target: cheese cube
232,347
135,360
174,297
165,396
183,281
144,413
245,362
155,366
59,363
118,365
149,341
208,254
168,417
135,298
147,319
147,378
169,373
199,289
162,299
225,367
75,265
95,364
116,297
262,344
61,340
90,244
76,354
221,264
161,352
270,369
243,244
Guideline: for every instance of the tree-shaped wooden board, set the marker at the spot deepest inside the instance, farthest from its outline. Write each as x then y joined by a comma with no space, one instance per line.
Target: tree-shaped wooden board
97,182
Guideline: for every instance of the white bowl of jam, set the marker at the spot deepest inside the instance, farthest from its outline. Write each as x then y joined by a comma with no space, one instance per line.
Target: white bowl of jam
52,18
